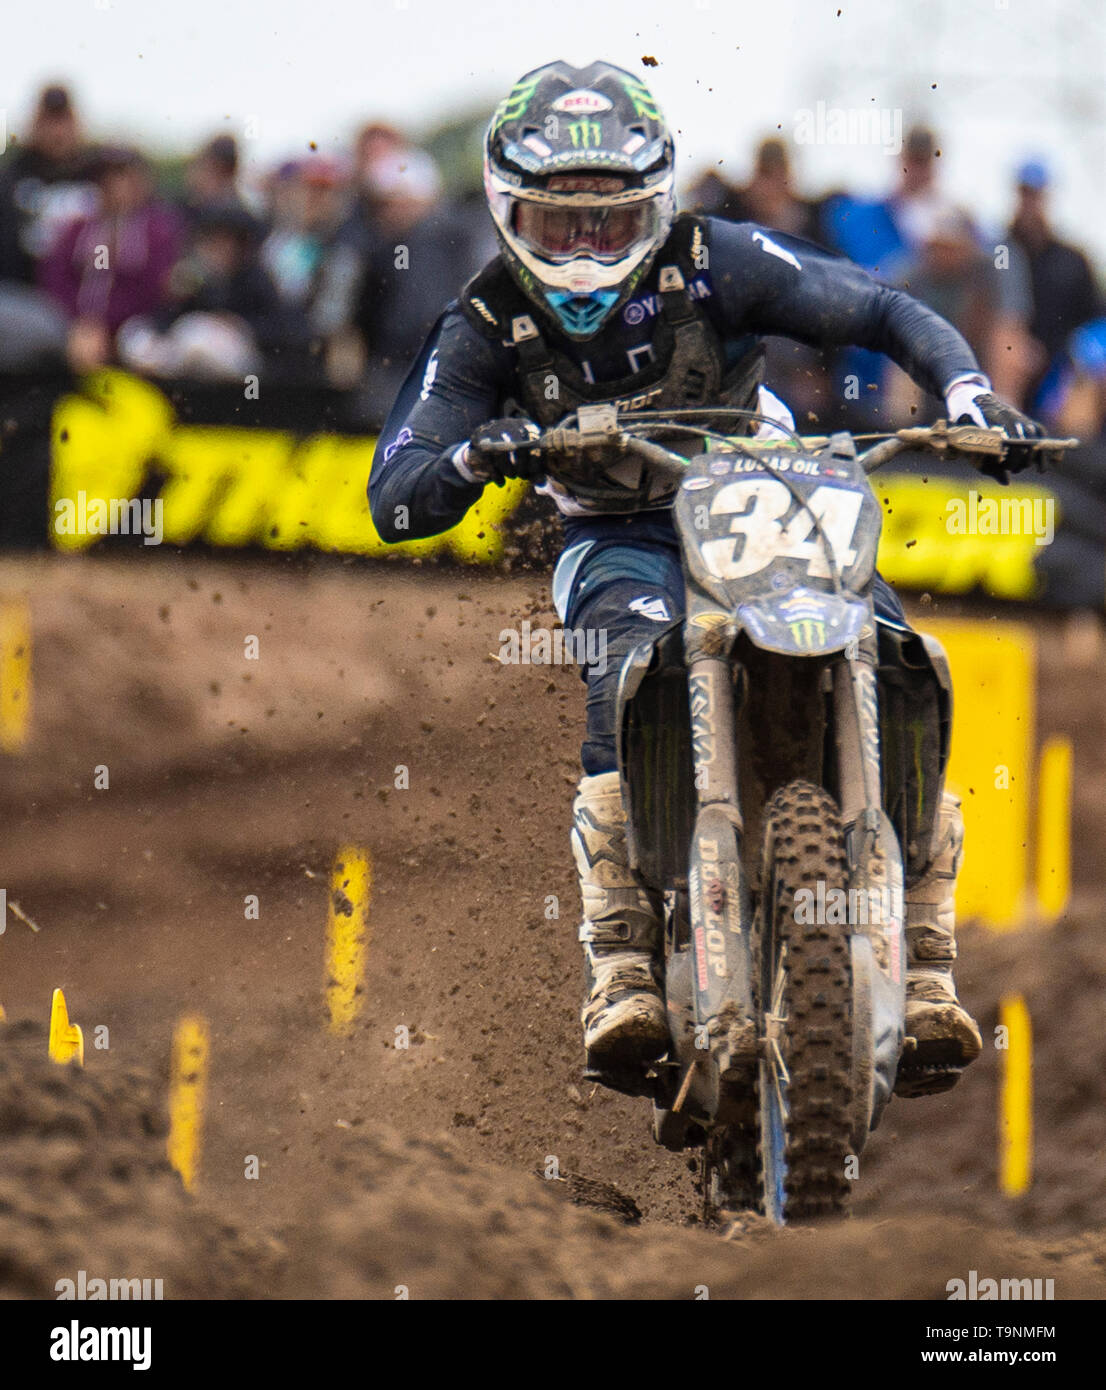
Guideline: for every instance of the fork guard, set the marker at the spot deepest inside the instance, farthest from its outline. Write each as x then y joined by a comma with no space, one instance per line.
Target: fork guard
653,720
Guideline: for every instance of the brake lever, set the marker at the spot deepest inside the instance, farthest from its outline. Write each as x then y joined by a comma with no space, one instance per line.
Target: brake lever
992,445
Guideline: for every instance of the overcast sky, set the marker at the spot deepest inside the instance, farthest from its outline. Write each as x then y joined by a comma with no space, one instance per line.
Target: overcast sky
1013,77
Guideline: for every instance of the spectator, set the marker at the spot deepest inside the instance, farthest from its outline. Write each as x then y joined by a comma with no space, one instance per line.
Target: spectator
917,238
1062,285
916,203
885,234
114,262
415,256
1073,395
45,182
707,194
211,179
224,318
769,197
315,270
953,274
32,328
373,143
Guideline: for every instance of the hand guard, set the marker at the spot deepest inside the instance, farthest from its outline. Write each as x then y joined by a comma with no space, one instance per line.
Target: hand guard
490,464
971,402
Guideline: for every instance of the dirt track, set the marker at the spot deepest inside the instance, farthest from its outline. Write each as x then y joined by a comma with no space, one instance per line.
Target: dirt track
382,1167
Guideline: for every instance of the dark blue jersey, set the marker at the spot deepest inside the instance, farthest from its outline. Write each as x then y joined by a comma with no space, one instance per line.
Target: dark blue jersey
757,282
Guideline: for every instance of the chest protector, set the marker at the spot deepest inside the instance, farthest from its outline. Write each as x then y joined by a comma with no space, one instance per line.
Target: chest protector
687,368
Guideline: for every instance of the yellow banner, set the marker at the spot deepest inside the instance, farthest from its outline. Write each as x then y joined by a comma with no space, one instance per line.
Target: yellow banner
230,485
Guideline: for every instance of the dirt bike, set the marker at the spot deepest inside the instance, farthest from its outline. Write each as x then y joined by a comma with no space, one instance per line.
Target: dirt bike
777,749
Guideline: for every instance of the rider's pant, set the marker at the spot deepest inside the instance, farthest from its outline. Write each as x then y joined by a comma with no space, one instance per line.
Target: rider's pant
620,579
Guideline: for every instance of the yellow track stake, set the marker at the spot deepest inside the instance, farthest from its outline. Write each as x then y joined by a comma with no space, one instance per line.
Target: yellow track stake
1054,827
187,1093
1016,1098
66,1039
347,935
15,674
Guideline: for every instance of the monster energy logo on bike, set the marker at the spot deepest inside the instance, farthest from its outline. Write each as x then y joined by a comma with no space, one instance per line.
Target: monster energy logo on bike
808,632
585,134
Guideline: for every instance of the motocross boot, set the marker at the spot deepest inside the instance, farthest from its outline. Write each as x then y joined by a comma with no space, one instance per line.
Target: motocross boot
623,1014
944,1035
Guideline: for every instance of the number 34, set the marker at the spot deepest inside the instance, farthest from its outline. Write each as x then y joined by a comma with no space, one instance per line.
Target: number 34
758,506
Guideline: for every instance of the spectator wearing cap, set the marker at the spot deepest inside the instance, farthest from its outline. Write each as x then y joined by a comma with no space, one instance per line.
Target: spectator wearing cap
41,181
1062,284
46,180
114,263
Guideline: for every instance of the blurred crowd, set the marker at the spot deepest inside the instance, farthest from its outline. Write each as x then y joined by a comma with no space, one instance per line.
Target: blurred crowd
1028,303
331,270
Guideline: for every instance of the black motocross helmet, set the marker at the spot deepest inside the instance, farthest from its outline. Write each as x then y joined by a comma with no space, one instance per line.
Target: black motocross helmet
579,171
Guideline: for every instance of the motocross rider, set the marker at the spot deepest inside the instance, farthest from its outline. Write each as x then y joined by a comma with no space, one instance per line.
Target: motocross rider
601,293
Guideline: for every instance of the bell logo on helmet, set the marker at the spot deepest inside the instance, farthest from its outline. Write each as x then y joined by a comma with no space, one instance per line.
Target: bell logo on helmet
582,103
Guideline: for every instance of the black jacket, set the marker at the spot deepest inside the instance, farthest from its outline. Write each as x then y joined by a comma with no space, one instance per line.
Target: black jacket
756,282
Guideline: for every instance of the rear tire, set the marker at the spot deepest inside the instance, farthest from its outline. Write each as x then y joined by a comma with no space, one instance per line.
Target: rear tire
804,968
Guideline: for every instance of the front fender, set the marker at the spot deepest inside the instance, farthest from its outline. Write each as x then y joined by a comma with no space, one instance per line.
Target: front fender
804,622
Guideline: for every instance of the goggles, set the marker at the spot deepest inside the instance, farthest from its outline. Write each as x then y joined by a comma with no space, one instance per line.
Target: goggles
558,233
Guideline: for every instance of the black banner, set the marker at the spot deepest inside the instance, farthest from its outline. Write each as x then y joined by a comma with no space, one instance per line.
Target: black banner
117,459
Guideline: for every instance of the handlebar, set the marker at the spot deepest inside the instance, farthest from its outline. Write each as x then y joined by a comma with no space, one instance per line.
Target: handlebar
595,427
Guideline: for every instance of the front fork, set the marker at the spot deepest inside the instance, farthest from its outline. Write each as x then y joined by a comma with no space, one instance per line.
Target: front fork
877,941
722,967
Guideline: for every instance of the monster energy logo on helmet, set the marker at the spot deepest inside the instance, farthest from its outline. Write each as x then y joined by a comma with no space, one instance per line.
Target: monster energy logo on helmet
642,98
585,133
579,172
514,105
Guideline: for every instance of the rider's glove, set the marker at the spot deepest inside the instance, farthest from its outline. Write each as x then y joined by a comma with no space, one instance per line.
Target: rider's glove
484,460
970,401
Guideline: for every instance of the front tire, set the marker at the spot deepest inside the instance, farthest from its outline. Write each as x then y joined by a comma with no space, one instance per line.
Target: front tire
805,1005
